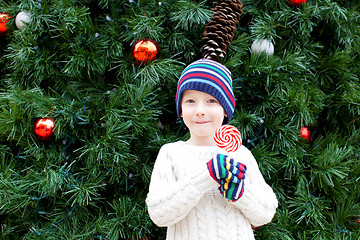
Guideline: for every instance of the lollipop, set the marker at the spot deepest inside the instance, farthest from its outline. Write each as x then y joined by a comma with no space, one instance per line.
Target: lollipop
228,137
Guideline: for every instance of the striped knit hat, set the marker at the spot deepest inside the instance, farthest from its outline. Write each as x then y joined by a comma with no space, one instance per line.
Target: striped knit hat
210,77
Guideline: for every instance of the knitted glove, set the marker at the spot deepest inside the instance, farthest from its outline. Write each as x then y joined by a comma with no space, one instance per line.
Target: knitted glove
236,171
224,167
217,167
231,190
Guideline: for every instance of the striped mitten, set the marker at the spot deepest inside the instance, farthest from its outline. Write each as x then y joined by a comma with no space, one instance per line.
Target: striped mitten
217,167
231,190
236,170
232,187
222,166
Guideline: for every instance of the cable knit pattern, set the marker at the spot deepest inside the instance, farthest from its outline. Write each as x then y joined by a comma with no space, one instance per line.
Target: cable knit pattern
184,198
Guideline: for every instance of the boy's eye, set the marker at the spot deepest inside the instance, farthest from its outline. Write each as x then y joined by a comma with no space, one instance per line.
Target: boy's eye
212,101
190,101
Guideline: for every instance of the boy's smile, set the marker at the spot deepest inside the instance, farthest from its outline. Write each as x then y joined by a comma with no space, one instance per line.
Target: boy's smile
202,114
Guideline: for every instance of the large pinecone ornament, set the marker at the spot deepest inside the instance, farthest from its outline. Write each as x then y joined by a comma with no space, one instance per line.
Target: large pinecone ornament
219,31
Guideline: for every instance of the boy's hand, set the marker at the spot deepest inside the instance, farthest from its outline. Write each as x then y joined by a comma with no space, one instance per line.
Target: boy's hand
217,167
236,170
231,190
224,167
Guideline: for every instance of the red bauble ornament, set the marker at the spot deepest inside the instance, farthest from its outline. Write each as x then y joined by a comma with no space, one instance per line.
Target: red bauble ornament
4,18
297,3
144,50
305,133
44,128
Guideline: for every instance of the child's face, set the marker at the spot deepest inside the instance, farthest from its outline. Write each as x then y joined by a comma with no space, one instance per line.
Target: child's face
202,114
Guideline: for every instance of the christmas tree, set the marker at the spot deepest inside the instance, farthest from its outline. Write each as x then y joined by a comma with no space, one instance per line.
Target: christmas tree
295,67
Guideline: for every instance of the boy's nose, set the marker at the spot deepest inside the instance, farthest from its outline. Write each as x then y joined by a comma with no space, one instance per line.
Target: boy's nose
200,110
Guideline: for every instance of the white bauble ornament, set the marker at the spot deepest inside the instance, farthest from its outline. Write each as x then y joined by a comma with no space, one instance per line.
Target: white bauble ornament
22,19
262,46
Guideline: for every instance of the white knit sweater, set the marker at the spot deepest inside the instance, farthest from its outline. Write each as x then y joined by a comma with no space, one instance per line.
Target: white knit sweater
185,199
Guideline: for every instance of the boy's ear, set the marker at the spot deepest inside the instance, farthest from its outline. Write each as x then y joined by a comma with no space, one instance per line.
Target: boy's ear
225,118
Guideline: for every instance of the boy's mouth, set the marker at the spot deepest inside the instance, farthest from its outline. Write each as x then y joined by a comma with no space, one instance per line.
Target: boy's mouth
202,122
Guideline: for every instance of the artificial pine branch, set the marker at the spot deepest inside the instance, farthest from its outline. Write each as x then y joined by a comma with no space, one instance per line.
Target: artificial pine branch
73,62
190,14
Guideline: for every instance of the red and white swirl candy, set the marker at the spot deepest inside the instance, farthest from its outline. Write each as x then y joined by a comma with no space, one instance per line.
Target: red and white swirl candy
228,137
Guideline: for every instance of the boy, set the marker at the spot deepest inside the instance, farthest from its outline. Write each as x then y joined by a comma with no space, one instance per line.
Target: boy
183,196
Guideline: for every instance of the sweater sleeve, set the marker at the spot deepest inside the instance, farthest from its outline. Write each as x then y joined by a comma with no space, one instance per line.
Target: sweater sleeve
169,199
258,202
